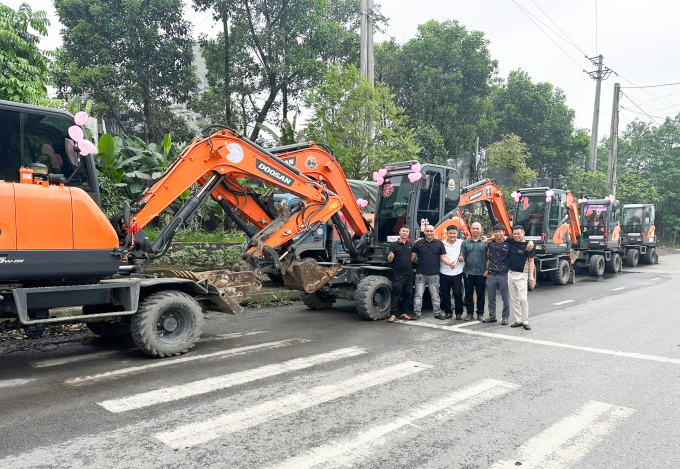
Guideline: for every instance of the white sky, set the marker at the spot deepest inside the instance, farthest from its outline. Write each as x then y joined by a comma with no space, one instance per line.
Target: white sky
637,38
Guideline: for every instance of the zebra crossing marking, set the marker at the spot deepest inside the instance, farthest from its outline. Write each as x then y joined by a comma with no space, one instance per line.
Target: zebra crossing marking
347,451
204,386
197,433
10,383
82,380
567,441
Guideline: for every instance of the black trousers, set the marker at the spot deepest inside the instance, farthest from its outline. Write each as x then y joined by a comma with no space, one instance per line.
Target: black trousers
474,283
402,294
455,283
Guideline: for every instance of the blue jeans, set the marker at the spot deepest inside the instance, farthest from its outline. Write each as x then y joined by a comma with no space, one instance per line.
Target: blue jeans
432,282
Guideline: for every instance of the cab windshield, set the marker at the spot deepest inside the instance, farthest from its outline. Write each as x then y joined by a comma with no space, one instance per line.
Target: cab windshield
632,220
530,214
392,208
594,219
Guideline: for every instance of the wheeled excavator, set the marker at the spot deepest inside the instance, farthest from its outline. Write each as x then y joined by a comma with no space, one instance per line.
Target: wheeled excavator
638,237
58,249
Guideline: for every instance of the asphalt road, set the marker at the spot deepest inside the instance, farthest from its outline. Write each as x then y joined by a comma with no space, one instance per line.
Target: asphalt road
594,384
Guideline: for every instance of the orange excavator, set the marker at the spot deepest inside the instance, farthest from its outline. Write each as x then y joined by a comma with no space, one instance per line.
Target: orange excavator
485,191
58,249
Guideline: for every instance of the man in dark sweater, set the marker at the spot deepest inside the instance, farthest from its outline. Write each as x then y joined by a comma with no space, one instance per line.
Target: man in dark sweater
521,270
402,278
497,276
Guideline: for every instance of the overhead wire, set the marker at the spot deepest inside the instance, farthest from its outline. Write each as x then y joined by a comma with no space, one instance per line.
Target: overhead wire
653,86
528,15
565,34
624,94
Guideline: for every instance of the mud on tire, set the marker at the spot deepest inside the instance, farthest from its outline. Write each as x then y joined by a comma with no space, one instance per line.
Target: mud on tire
167,323
319,300
373,297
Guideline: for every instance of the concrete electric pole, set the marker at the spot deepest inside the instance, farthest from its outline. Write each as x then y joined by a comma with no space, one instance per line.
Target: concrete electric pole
614,140
598,76
366,37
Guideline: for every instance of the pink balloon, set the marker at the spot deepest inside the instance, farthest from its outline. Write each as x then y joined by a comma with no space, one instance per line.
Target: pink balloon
519,194
418,175
76,133
362,202
412,177
517,199
80,118
86,147
382,172
380,181
415,168
548,199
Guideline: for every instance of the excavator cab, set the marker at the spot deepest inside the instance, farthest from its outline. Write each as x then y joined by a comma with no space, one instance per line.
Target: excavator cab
544,214
601,225
432,200
637,224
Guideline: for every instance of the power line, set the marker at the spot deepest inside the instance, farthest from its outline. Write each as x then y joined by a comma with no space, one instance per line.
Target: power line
624,94
565,34
653,86
548,35
642,114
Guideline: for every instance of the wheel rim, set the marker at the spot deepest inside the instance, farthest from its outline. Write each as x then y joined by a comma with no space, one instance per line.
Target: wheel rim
381,298
171,325
600,265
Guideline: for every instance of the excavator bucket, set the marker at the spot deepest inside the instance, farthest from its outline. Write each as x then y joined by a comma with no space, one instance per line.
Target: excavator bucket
225,288
308,276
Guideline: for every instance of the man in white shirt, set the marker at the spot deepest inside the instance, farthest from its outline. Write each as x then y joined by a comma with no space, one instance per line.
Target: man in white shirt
451,275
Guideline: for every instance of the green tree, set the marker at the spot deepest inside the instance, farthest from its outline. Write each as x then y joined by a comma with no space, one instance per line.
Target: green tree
511,154
24,67
133,58
359,121
431,142
442,78
584,183
270,52
538,114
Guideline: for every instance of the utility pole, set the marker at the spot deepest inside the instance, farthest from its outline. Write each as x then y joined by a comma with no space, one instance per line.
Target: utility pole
366,37
614,141
598,76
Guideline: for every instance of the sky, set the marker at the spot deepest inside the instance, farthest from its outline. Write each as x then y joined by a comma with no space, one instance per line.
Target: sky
637,39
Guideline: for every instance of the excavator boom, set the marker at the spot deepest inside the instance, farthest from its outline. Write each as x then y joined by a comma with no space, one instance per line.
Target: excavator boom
483,191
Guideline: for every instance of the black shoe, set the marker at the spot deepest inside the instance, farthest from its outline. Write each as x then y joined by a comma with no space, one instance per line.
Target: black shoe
415,317
469,317
486,321
459,317
448,316
504,322
439,316
527,327
516,324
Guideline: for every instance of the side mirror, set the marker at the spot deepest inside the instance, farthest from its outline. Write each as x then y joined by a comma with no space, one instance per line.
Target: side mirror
73,156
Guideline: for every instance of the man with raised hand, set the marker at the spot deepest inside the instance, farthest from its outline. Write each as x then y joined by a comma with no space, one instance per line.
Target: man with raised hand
451,274
429,252
497,277
473,253
402,275
521,269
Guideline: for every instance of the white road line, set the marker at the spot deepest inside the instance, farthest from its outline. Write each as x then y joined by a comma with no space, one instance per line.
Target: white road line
109,353
655,278
617,289
8,383
421,323
563,302
187,358
203,432
567,441
638,356
215,383
348,451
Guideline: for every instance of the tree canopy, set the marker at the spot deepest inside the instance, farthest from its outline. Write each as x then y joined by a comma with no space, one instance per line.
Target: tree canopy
25,68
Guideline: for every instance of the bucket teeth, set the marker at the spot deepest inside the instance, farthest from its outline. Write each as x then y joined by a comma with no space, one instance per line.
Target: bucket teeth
225,287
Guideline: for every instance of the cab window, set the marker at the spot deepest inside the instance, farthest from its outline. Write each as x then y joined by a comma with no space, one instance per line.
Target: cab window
10,145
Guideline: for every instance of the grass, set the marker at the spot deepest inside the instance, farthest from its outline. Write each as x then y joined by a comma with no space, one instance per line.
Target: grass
188,236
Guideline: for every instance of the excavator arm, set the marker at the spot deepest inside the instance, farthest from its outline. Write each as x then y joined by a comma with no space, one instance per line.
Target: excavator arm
483,191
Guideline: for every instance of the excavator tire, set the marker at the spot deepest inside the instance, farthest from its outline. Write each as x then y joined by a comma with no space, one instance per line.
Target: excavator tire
167,323
632,257
650,257
614,264
561,275
596,266
106,329
373,297
319,300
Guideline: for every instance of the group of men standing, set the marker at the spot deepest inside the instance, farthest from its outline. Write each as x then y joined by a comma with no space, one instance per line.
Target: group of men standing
505,264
